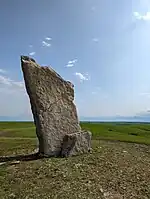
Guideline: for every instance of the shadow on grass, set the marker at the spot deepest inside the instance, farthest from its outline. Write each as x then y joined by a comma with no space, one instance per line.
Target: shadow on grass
29,157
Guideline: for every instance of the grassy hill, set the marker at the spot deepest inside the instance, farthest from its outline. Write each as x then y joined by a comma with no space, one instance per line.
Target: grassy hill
113,170
130,132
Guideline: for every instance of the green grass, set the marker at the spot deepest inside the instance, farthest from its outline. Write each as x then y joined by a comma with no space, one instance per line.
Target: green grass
15,146
17,129
15,125
85,176
128,132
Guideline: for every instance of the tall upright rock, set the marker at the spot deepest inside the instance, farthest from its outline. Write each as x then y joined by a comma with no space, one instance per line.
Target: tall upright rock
54,113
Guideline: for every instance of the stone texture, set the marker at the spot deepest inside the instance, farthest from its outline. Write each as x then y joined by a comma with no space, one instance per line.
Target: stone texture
76,143
51,99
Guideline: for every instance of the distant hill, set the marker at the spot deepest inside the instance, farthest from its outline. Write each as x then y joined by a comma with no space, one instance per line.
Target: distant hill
6,118
143,117
137,118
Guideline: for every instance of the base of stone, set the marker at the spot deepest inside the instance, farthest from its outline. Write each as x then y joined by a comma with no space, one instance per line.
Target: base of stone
76,144
73,144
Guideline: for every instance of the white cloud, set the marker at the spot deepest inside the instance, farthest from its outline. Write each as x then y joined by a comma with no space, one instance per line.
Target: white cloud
2,71
82,77
44,43
88,76
74,61
48,38
32,53
6,82
14,101
71,63
145,17
19,84
95,39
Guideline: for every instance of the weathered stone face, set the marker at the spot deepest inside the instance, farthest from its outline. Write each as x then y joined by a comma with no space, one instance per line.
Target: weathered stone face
51,99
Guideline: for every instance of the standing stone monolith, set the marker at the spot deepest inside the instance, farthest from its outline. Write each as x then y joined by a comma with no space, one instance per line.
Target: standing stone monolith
55,115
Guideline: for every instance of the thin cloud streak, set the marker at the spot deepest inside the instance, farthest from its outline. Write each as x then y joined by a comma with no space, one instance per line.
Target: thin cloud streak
48,38
46,44
2,71
7,82
82,77
32,53
71,63
145,17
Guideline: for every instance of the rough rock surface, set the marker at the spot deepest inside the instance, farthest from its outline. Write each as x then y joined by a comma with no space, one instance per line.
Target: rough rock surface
76,143
51,99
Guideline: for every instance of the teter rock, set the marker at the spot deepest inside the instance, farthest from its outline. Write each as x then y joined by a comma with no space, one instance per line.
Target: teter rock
54,112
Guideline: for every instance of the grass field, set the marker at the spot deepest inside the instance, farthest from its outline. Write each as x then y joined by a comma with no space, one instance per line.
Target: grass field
113,170
129,132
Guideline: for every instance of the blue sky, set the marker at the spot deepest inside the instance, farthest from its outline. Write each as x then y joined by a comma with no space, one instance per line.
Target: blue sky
101,46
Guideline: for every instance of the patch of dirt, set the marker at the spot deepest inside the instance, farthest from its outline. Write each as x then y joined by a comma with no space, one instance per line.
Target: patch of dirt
5,134
1,133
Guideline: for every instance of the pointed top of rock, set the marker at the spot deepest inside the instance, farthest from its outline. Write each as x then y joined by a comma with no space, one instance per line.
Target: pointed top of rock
26,58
